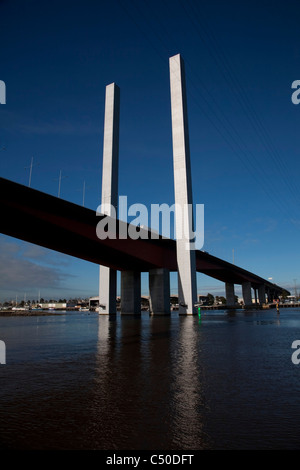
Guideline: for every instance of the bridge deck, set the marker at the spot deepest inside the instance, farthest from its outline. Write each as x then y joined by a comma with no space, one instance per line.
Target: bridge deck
59,225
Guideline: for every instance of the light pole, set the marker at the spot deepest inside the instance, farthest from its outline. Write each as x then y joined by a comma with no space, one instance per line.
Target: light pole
30,171
83,193
295,289
85,187
59,183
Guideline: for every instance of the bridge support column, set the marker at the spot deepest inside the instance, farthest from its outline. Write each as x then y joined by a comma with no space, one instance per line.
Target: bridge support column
230,298
255,295
130,292
262,294
271,295
186,261
107,291
107,276
246,287
159,289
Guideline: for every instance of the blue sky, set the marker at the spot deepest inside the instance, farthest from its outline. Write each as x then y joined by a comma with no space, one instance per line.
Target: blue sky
241,58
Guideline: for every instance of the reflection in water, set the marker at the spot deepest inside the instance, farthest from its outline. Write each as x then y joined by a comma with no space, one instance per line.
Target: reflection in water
131,392
90,382
148,390
188,399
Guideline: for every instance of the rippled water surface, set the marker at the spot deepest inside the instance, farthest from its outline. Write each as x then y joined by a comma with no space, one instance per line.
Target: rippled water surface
83,381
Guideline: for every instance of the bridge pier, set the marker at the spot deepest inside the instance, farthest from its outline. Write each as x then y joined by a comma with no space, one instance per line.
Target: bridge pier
262,294
107,291
186,260
109,199
130,293
247,296
159,289
229,292
271,294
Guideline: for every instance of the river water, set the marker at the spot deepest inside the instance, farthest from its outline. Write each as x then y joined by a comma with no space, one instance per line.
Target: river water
84,381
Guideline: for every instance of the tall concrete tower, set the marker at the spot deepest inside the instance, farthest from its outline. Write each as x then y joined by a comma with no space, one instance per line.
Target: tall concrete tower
108,276
184,224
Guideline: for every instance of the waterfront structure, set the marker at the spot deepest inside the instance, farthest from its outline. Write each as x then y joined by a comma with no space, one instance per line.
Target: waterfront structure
187,288
110,166
159,282
67,228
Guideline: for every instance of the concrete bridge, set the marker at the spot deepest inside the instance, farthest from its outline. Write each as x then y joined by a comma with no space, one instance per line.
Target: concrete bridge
38,218
45,220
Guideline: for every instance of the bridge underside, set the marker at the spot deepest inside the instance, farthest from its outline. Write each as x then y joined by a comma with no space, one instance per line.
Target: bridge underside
59,225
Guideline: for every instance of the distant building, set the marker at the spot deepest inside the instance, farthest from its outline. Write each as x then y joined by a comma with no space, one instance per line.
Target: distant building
203,299
53,305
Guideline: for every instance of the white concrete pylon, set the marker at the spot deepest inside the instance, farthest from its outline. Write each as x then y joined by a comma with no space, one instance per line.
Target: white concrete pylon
186,261
130,293
247,296
262,294
159,290
108,276
230,296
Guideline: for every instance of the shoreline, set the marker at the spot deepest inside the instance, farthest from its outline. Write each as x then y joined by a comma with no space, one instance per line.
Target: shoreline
28,313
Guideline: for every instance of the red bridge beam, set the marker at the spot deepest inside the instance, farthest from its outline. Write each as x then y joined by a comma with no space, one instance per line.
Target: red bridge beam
59,225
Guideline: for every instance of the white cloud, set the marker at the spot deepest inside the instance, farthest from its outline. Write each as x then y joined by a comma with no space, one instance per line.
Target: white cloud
17,271
18,123
40,255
